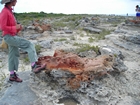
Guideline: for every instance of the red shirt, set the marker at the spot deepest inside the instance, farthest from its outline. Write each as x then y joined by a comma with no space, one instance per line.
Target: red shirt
8,22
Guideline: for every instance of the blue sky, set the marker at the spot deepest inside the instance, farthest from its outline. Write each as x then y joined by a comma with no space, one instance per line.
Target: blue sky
77,6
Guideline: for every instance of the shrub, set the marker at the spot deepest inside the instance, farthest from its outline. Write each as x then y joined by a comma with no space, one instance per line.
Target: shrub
101,35
26,59
62,39
38,48
72,38
90,39
86,47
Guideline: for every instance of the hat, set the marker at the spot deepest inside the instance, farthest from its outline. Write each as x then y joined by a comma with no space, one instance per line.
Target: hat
5,1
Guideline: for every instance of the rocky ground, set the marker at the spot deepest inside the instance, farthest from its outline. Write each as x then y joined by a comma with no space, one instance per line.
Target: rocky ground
114,89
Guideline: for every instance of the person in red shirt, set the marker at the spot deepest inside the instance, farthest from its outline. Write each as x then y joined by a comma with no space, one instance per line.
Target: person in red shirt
10,29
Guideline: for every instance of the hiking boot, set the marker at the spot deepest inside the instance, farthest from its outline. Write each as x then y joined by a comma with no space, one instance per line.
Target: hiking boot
14,77
38,68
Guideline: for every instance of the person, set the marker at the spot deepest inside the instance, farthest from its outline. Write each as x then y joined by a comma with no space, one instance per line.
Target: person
10,29
137,13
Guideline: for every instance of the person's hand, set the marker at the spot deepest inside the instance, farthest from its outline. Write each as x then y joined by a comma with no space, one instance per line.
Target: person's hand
18,26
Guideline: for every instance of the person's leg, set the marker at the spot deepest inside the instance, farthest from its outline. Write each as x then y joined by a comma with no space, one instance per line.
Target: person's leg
13,61
27,46
136,16
32,56
24,45
31,52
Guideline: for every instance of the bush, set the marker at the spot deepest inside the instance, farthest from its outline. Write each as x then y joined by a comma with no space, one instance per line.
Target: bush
26,60
86,47
38,48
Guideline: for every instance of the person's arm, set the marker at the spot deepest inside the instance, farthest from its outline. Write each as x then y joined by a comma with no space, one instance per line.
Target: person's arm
4,20
138,10
18,30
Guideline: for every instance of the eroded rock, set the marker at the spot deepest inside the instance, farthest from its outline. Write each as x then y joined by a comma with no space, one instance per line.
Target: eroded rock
83,69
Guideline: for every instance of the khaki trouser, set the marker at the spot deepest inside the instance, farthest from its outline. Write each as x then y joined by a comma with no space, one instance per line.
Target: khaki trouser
14,43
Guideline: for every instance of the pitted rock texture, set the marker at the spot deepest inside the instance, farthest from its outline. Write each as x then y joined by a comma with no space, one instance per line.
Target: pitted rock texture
83,69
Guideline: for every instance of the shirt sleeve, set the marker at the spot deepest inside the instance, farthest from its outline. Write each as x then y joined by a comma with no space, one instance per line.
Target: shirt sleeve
4,21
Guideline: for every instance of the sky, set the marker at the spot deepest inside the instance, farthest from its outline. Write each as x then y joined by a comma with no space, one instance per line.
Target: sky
77,6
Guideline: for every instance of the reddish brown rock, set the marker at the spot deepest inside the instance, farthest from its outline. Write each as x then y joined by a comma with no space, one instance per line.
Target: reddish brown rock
41,27
135,21
84,69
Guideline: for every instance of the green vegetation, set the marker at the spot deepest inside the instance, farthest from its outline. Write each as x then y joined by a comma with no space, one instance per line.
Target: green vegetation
25,18
69,19
36,15
86,47
115,55
66,21
76,44
82,35
38,48
101,35
72,38
26,59
62,39
90,40
67,42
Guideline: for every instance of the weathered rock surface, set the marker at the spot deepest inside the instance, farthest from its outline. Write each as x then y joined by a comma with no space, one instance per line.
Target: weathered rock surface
119,86
19,93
